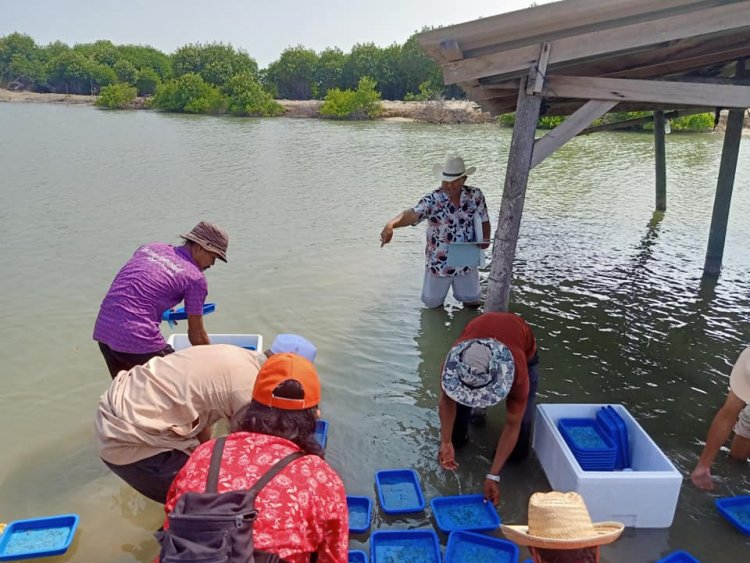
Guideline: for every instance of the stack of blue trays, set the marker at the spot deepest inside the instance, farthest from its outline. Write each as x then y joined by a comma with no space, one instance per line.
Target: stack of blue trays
613,424
592,447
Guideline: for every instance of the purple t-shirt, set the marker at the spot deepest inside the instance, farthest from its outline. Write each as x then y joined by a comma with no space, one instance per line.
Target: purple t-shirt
157,277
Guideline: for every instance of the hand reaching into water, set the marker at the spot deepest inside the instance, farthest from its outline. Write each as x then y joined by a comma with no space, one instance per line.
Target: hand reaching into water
492,491
447,456
702,479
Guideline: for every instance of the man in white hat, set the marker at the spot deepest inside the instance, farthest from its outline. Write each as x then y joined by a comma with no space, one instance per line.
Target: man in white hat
734,414
452,212
560,530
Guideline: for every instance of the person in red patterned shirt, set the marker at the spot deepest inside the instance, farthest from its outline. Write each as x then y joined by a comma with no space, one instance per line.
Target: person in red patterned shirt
302,511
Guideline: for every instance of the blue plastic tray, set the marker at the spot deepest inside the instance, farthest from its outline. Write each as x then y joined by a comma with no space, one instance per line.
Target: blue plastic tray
357,556
38,537
178,314
464,512
623,432
399,491
736,510
321,433
609,425
404,546
477,548
360,514
679,557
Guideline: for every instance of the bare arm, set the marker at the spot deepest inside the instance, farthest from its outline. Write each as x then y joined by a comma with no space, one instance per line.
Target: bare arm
404,219
447,414
505,445
485,234
721,427
196,332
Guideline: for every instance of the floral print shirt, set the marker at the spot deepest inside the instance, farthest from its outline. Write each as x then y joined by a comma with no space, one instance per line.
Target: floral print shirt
447,224
302,510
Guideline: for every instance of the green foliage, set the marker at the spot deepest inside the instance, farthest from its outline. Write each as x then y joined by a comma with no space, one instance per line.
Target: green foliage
144,57
116,96
125,71
293,76
419,72
188,93
147,80
696,123
328,74
72,72
364,103
426,93
216,63
246,97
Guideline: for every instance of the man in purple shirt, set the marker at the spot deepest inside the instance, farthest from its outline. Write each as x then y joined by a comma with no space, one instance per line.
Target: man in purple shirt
156,278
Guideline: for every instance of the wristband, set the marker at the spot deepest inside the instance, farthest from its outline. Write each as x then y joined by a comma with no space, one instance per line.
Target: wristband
491,477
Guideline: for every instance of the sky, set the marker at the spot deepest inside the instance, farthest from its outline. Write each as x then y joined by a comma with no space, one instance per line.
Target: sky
263,28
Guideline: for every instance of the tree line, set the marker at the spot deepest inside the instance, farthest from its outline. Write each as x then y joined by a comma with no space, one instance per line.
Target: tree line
398,71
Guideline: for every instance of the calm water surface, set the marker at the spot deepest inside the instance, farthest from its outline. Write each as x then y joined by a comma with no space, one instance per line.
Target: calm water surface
613,292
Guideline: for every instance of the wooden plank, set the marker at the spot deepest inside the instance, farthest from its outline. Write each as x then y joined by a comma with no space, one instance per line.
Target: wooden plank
625,123
451,50
569,128
540,70
508,63
511,205
666,92
725,185
660,161
545,20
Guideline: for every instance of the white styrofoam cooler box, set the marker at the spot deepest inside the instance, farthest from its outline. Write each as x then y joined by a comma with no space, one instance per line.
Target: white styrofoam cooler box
645,497
254,341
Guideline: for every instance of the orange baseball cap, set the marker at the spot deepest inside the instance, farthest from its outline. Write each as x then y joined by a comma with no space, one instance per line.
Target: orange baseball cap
287,367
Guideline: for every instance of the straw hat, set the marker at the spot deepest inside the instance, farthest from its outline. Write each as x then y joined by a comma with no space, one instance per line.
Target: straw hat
739,380
561,521
453,169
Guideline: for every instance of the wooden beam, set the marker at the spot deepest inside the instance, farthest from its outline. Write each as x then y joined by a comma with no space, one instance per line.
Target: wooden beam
724,186
511,206
568,129
724,18
547,20
540,70
622,89
451,50
642,120
660,161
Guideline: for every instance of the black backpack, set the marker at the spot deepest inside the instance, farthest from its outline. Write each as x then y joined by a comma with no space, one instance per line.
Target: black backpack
216,527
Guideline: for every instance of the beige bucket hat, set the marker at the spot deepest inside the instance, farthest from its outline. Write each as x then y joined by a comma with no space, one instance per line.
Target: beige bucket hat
210,237
561,521
739,380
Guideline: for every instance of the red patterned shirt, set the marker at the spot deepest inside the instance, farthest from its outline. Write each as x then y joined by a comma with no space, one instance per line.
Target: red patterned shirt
301,511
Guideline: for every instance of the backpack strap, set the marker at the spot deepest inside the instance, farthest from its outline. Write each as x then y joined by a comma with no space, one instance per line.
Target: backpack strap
270,474
212,481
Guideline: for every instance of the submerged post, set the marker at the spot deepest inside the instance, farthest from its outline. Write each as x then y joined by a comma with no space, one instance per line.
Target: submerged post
724,186
660,160
514,193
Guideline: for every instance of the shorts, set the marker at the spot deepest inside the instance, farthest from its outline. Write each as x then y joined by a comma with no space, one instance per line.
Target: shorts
465,288
120,361
742,428
152,476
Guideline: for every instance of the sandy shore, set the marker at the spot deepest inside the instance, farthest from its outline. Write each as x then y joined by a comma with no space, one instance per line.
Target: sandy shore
449,111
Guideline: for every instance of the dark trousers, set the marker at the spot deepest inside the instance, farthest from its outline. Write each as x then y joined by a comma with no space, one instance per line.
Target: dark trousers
463,413
120,361
152,476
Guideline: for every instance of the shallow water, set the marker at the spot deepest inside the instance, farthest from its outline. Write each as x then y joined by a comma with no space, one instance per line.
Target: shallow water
614,293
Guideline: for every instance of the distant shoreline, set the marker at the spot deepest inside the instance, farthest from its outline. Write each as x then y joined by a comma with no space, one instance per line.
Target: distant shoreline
449,111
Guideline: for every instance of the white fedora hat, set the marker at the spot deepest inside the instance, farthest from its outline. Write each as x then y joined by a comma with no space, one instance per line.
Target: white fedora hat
453,169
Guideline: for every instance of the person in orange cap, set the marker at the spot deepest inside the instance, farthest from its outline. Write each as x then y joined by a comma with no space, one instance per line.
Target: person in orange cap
560,530
302,509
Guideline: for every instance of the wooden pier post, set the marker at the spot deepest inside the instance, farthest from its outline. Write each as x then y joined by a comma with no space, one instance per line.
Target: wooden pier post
725,184
660,160
514,193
